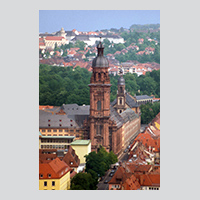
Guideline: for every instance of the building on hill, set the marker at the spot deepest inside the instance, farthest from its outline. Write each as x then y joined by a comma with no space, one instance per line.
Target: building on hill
143,99
54,175
49,42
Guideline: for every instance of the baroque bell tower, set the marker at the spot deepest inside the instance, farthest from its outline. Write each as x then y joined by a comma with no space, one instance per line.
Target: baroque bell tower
121,97
99,101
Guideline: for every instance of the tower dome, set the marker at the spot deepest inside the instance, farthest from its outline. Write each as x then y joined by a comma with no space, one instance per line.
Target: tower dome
121,81
100,60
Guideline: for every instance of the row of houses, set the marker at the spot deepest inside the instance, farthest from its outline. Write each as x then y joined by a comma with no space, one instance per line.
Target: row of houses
133,67
57,167
48,41
140,172
142,169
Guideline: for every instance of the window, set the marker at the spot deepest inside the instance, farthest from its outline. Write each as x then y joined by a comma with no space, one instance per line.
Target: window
99,76
121,90
120,101
53,183
41,175
65,130
45,183
49,130
60,130
99,105
49,175
43,130
49,124
98,129
55,130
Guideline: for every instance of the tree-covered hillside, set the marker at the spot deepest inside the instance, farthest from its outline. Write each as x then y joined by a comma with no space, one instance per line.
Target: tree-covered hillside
58,85
65,85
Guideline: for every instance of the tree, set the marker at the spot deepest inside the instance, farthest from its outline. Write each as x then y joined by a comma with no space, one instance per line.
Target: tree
80,44
149,111
83,181
100,162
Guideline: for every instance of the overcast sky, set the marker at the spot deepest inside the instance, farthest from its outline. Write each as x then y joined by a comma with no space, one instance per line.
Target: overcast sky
92,20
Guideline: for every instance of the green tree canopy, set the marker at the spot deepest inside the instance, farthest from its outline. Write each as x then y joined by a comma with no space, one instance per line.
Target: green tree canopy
83,181
100,162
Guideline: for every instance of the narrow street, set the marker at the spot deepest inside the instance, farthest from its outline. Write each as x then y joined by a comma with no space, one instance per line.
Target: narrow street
122,158
104,186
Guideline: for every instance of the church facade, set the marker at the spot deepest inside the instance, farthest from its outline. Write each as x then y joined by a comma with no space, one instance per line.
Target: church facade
110,125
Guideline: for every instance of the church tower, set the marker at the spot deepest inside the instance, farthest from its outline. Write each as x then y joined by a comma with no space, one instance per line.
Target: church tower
99,102
121,97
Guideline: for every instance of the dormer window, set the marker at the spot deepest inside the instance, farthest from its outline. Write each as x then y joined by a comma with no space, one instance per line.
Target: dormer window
49,175
41,175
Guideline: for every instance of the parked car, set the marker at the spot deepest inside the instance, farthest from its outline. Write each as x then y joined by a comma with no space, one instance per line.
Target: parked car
111,174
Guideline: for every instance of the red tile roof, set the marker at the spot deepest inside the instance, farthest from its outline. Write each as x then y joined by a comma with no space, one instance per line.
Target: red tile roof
71,158
45,107
54,38
131,183
56,168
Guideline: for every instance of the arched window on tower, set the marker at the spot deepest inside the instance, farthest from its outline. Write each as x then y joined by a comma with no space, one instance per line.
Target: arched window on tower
99,76
121,89
98,105
120,101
